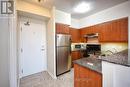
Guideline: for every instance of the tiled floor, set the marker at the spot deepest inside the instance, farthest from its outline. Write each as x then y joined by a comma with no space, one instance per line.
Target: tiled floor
43,79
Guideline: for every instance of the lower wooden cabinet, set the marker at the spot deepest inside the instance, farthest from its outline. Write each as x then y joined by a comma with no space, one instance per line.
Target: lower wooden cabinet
84,77
75,55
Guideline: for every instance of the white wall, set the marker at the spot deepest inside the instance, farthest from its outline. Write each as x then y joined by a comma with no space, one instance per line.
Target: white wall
62,17
51,58
74,23
4,52
13,51
56,17
8,71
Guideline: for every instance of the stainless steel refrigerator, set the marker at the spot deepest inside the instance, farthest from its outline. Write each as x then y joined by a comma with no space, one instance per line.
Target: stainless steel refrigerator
63,49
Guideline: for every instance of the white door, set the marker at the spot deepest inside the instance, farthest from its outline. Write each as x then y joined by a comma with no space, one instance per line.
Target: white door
33,46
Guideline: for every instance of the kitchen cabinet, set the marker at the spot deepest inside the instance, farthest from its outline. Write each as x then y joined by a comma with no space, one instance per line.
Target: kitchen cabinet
62,28
124,30
88,30
115,75
84,77
75,35
75,55
112,31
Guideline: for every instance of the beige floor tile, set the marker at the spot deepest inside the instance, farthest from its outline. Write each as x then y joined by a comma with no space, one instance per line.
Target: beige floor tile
43,79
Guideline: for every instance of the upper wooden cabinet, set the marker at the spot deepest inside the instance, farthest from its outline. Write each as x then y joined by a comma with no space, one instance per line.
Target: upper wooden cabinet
112,31
62,28
75,35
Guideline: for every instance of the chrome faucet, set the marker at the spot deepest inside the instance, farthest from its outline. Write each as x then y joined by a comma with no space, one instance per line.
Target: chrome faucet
115,50
110,51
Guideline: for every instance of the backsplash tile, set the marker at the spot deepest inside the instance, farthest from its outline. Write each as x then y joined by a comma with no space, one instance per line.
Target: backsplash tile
114,47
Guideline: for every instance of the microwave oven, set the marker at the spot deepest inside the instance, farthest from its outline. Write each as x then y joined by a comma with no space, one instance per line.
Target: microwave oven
78,47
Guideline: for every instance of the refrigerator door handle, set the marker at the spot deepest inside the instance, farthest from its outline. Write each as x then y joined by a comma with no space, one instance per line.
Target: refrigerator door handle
70,46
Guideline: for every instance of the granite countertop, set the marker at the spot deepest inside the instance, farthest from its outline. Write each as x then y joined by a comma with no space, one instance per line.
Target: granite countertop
91,63
95,63
120,58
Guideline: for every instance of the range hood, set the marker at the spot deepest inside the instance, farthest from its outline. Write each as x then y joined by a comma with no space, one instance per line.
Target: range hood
92,38
91,35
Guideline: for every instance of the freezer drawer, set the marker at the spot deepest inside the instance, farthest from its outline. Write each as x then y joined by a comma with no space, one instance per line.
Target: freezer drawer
63,61
63,40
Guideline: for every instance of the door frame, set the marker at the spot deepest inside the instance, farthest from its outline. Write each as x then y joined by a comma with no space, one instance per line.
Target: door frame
13,49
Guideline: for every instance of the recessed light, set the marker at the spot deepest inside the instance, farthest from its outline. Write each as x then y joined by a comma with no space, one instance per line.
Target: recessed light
82,7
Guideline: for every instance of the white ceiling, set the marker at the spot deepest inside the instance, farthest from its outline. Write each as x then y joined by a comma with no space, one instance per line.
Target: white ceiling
68,5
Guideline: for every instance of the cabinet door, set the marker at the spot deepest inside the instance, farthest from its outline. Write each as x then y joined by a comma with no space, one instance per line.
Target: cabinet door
103,33
58,28
114,31
65,29
83,32
75,35
62,28
84,77
109,36
124,30
75,55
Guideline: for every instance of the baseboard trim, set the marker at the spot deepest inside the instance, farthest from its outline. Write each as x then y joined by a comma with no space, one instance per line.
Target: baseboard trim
54,77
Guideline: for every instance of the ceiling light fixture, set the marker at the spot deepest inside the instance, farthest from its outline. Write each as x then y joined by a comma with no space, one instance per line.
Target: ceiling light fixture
82,7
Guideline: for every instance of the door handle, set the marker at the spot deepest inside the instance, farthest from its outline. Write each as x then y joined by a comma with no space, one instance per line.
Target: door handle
42,49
